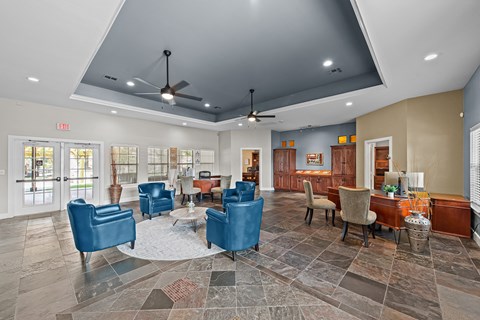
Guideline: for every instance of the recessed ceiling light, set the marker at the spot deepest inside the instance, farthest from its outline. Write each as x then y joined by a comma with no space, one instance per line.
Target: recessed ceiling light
240,124
349,104
327,63
33,79
430,57
207,105
184,123
130,83
114,111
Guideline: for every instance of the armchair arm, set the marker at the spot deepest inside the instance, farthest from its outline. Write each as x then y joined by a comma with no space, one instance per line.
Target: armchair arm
119,215
168,193
229,192
216,216
107,209
145,195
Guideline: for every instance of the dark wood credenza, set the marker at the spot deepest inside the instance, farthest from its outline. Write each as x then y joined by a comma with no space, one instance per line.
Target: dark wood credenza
450,213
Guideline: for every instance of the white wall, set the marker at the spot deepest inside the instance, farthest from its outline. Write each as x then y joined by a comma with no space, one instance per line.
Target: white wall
224,145
252,139
36,120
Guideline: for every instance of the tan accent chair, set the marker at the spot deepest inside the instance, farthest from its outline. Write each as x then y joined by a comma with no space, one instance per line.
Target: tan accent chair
225,182
355,205
313,203
188,189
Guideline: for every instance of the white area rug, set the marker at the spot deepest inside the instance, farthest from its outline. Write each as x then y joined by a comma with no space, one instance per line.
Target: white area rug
158,239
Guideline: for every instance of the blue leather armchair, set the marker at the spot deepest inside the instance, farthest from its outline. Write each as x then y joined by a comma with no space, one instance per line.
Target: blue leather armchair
244,191
155,199
236,229
97,228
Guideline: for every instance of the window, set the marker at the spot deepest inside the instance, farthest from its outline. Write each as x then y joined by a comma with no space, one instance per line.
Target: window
207,159
185,160
157,164
126,161
475,166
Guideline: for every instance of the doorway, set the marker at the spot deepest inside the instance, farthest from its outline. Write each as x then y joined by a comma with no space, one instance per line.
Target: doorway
378,160
44,174
251,165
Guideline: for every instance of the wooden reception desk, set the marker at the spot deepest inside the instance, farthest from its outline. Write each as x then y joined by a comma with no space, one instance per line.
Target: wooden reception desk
450,213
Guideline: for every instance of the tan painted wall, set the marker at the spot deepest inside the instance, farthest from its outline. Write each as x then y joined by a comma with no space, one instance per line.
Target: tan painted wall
435,140
246,154
390,121
427,136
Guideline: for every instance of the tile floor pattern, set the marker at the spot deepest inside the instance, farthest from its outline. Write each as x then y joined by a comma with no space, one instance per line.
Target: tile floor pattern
301,272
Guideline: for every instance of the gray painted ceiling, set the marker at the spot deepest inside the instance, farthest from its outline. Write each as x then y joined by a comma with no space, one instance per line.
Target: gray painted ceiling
224,48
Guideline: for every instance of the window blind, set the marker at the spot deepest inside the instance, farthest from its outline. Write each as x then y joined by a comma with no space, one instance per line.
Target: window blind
475,165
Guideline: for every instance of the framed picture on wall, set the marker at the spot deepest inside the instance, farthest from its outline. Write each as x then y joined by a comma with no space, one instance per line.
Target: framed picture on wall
314,159
353,138
284,144
342,139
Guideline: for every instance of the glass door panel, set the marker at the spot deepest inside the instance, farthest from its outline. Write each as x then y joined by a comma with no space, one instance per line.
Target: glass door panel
81,173
37,177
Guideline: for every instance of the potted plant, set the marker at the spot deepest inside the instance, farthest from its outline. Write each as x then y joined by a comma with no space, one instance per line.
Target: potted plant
390,190
115,188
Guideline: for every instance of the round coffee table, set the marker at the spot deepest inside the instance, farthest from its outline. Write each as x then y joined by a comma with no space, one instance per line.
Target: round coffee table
183,214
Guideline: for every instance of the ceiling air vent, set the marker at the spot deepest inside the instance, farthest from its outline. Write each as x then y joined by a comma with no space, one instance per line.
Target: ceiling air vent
217,107
335,70
110,77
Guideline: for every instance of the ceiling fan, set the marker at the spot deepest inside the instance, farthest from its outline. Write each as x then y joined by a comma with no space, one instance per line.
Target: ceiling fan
253,115
168,92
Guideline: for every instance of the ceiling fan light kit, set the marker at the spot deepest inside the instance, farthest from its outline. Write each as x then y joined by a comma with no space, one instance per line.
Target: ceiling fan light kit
167,92
253,115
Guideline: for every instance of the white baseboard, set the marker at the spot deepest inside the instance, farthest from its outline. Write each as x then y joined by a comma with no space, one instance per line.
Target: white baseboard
267,189
5,215
129,199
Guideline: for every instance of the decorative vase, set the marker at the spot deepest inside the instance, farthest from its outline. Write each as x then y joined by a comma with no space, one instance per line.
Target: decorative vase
191,207
391,195
115,193
418,228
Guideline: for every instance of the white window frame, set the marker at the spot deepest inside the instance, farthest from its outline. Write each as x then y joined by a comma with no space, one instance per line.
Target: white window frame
122,164
154,163
475,167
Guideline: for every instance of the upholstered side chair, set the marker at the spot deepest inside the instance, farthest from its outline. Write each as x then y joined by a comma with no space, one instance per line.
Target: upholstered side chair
225,182
188,188
312,203
355,205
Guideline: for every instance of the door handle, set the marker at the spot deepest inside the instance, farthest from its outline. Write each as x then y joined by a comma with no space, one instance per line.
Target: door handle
86,178
65,178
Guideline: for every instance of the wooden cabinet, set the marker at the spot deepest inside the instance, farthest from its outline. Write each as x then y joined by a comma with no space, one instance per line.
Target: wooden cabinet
284,164
381,166
343,165
296,182
451,214
320,184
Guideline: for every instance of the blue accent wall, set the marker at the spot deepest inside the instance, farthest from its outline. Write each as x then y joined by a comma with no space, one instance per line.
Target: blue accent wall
315,140
471,116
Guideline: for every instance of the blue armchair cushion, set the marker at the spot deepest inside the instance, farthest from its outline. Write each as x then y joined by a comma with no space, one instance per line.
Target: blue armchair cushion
93,231
238,228
155,199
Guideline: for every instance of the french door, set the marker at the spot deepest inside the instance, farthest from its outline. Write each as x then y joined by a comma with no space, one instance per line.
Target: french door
49,174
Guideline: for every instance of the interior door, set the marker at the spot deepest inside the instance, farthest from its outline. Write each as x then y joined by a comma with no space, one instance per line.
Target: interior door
81,173
37,176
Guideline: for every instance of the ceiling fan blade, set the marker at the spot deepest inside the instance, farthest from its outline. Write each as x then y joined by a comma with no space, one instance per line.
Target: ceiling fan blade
179,86
147,83
147,93
186,96
267,116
